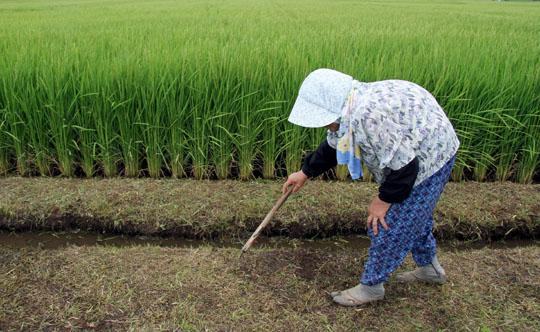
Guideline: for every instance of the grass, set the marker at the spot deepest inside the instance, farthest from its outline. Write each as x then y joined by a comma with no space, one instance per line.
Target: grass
233,209
174,88
208,288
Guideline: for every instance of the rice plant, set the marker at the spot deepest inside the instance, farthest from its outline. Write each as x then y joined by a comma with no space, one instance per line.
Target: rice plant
204,89
530,154
222,122
177,114
4,145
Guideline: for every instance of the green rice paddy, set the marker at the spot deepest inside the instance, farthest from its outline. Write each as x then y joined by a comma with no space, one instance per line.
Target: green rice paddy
204,88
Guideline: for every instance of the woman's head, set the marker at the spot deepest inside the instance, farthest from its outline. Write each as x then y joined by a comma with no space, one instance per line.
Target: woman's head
320,99
334,126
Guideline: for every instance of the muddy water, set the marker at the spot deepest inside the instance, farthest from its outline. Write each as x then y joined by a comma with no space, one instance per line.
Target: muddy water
54,240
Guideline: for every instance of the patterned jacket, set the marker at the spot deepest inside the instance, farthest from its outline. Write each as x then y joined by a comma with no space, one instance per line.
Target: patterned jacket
394,122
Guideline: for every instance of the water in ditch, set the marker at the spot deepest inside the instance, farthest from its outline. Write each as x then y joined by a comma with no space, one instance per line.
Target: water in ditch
55,240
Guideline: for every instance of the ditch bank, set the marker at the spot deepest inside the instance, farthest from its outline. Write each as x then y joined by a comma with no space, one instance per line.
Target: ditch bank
232,209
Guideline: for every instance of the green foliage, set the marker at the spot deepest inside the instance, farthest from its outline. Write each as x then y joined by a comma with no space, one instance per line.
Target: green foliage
204,89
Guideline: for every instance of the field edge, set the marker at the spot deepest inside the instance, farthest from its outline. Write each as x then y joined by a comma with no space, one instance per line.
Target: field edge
231,209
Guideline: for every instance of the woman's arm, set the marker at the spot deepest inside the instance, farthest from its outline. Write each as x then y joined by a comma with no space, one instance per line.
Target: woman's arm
314,165
398,184
320,160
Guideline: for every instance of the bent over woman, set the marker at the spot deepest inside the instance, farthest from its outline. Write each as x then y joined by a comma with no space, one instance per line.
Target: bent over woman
403,137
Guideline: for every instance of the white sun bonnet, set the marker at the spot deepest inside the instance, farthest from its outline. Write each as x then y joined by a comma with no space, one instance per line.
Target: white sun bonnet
321,98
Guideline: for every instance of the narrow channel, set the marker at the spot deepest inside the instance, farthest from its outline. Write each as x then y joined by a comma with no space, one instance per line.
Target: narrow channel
55,240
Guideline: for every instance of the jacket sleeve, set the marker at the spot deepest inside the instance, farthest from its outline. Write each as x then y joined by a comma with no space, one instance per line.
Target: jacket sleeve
398,184
320,160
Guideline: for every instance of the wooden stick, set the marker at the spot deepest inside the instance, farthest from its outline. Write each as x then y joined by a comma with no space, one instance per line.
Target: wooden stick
267,219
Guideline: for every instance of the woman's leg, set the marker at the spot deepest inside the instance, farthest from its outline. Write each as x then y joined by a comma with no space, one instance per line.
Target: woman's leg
390,247
410,228
386,253
425,248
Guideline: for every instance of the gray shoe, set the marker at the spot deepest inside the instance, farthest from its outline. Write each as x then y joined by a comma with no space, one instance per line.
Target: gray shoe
432,273
359,294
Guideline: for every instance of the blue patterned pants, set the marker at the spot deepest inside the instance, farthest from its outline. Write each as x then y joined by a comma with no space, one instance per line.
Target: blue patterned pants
410,229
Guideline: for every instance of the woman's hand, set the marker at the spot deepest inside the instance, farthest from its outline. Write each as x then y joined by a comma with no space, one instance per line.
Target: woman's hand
376,212
296,179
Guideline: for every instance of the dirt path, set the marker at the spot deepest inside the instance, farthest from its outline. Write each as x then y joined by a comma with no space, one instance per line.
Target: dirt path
153,287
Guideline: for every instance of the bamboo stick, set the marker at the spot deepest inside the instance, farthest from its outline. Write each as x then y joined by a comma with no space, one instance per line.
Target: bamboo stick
267,219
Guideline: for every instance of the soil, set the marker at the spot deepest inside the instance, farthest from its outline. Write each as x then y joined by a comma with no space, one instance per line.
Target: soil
147,287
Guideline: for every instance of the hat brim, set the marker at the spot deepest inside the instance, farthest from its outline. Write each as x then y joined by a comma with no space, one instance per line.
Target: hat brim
309,115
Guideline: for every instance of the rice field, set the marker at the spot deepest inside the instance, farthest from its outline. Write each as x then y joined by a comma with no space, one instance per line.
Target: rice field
203,88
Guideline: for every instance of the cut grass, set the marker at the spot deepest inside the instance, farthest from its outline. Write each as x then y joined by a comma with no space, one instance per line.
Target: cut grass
229,209
155,288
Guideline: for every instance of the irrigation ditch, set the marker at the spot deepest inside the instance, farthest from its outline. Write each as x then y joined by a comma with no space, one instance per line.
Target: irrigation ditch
225,210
